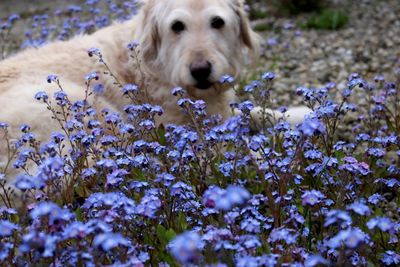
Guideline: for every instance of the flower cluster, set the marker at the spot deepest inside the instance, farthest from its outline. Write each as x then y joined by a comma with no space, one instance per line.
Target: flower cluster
117,189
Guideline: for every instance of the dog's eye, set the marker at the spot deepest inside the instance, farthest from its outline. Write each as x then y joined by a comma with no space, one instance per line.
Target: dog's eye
178,26
217,23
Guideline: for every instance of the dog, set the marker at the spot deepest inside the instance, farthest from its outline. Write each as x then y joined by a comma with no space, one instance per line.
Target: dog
182,43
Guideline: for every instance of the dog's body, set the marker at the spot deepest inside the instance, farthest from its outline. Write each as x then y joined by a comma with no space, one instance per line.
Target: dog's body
167,58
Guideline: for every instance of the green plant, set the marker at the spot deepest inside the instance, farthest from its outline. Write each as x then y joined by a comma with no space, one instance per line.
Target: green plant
294,7
329,19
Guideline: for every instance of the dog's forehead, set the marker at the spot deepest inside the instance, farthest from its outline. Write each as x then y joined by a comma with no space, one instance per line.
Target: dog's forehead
196,6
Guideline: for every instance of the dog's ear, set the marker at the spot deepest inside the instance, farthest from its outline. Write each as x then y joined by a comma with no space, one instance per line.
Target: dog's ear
149,37
250,39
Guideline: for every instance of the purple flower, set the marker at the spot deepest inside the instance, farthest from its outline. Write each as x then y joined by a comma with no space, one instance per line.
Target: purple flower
186,247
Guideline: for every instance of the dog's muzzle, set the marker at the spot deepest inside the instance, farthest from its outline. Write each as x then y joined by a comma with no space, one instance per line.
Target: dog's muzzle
201,71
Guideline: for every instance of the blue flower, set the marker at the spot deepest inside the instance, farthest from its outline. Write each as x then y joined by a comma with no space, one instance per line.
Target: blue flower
226,168
390,258
315,260
132,45
41,96
149,204
383,223
186,247
233,196
61,97
130,88
91,76
5,248
226,79
54,213
268,76
108,241
3,125
313,154
98,88
7,228
246,261
359,208
351,238
44,244
25,182
283,234
88,172
178,91
376,152
342,218
312,197
52,78
258,142
13,18
312,126
166,179
251,225
375,198
94,52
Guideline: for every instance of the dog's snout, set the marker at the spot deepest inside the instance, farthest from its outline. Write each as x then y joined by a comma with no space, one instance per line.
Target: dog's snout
200,70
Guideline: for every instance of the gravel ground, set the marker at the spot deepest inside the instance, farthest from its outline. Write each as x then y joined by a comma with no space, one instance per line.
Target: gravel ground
369,44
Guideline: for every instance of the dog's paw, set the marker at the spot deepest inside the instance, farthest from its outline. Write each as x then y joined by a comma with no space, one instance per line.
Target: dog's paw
269,117
295,115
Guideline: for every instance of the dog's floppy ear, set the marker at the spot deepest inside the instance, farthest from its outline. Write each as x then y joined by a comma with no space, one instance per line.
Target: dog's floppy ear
149,37
249,38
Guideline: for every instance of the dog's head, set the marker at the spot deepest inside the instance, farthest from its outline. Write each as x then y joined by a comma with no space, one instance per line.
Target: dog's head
192,43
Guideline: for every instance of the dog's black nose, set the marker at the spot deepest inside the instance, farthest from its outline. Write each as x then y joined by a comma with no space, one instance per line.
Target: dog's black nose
200,70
